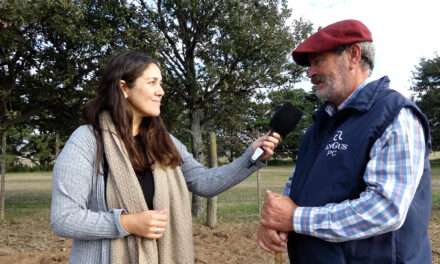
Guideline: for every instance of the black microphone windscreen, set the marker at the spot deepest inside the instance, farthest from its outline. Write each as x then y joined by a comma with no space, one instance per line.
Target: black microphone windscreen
285,119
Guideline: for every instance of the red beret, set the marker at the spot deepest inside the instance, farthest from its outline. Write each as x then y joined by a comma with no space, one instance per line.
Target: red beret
341,33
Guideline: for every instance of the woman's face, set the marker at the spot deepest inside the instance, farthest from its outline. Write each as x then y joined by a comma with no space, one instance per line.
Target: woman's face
145,95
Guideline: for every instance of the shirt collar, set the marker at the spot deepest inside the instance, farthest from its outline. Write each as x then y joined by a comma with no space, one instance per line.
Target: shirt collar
331,109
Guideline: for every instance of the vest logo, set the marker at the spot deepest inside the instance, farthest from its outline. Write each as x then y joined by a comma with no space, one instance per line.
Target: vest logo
337,145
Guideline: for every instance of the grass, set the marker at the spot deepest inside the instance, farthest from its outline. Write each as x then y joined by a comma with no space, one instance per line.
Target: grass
238,211
20,204
29,193
435,169
243,200
436,201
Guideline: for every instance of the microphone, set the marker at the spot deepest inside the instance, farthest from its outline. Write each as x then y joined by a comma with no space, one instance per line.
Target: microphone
283,122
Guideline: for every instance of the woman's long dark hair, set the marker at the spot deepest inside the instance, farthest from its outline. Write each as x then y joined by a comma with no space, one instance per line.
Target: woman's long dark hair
156,143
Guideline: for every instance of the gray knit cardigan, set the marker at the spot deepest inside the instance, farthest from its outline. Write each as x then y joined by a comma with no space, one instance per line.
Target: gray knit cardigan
79,210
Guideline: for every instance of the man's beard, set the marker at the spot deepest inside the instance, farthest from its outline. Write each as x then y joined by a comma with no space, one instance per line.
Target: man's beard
324,94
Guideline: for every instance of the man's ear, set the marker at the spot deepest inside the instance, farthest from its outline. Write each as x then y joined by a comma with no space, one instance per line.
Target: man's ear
355,54
124,88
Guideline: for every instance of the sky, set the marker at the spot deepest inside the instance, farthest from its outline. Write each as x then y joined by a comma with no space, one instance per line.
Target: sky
403,31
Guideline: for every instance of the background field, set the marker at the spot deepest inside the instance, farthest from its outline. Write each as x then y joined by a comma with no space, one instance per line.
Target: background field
25,236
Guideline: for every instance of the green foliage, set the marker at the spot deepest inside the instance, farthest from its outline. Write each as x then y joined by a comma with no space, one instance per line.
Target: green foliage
280,162
255,122
427,87
76,40
50,56
307,103
29,150
427,74
218,54
217,58
40,149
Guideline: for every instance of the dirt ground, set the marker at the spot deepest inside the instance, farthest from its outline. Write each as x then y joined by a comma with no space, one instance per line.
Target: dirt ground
30,241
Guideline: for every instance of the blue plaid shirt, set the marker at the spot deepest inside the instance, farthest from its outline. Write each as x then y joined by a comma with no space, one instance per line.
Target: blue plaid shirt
392,176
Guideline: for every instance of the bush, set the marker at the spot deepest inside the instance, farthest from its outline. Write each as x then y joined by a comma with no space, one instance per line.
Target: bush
25,168
280,162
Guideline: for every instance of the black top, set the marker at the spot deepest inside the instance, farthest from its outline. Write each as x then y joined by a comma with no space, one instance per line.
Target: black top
145,178
146,181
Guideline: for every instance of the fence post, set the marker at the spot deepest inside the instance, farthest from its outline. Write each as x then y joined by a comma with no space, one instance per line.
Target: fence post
211,218
258,183
258,192
57,144
3,174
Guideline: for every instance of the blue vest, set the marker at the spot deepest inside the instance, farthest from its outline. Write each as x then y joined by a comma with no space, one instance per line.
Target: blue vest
330,169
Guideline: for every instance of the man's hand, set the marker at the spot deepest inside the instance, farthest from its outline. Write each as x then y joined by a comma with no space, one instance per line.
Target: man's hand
277,212
268,143
271,240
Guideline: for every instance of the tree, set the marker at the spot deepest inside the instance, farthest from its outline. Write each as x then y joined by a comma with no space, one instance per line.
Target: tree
251,118
237,131
17,52
50,53
79,37
307,102
427,86
217,54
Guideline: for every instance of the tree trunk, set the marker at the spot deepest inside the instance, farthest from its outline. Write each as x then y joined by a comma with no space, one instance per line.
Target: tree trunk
197,149
57,144
3,175
211,218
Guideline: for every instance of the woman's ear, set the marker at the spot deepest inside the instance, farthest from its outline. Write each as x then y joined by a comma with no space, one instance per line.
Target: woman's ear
124,88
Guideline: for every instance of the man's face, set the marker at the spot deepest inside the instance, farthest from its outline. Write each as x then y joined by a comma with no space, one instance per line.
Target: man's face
328,73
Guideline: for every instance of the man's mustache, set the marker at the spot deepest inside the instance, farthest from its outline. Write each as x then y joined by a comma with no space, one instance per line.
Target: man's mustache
317,79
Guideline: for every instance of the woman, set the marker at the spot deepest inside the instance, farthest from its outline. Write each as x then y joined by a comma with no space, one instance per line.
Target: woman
120,186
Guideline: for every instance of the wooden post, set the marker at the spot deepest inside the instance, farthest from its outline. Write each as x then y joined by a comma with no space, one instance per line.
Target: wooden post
3,175
211,217
57,144
258,192
258,182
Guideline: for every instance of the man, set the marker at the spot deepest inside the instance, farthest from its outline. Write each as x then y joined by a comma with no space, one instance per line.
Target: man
361,190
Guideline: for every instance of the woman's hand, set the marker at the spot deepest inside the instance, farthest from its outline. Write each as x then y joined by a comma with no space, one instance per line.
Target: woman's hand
268,143
150,224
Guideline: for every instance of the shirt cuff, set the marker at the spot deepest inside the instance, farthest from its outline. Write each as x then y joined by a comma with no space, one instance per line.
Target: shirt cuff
302,220
117,215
